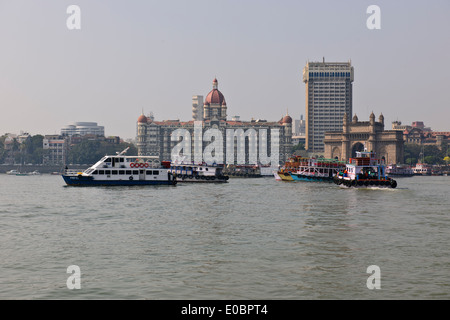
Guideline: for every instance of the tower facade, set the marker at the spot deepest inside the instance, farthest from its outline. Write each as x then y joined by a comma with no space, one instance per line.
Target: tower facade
215,107
197,108
329,92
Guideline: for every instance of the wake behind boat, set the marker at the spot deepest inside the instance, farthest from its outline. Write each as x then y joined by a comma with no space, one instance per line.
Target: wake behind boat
121,170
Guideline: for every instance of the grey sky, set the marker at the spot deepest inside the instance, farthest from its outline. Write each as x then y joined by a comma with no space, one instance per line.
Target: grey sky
154,55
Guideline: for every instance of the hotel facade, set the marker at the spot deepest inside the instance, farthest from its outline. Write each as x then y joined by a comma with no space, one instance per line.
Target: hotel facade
270,140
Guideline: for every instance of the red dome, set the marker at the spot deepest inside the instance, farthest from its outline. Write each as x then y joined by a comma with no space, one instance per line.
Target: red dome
142,119
287,119
215,96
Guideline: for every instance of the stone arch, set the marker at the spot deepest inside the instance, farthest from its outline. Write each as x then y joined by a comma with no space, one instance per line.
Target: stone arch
382,154
357,146
336,153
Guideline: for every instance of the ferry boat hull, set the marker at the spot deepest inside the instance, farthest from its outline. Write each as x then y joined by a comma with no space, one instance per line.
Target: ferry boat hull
83,181
301,177
202,179
285,176
374,183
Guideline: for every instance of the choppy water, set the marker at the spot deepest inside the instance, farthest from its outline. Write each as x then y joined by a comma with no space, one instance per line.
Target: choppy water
248,239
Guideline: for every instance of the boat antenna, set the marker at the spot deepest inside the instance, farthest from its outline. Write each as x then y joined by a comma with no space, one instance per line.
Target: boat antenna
123,152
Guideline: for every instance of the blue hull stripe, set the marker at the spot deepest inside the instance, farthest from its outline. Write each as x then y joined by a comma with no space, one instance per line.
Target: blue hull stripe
307,178
75,181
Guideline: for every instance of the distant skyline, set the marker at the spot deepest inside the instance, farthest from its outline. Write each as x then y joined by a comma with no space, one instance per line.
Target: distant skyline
154,56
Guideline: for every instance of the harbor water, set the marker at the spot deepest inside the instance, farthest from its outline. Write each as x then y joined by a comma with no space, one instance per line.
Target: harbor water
247,239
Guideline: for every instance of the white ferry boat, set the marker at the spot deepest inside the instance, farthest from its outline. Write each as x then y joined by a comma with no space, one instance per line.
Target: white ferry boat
123,171
202,172
394,170
422,169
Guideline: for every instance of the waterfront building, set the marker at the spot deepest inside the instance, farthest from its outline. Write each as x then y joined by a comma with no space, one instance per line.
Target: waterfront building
154,138
57,147
11,146
417,133
83,128
357,135
329,91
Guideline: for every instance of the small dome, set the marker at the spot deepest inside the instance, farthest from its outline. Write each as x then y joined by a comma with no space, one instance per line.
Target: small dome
142,119
287,119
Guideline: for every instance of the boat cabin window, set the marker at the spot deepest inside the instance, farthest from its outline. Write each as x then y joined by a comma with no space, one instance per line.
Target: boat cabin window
95,172
136,172
156,172
121,171
127,172
108,172
108,160
101,171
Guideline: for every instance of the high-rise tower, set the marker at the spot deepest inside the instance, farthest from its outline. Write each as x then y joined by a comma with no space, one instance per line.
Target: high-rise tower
328,98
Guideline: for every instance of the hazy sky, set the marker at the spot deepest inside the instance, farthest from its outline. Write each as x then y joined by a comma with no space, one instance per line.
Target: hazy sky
154,56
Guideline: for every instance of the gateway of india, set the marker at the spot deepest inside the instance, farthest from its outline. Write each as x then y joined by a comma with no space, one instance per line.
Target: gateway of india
357,135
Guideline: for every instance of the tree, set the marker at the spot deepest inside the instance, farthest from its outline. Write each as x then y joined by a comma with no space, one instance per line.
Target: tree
299,146
447,159
89,152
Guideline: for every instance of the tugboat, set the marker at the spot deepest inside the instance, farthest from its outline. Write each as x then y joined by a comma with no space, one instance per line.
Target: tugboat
364,171
121,170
